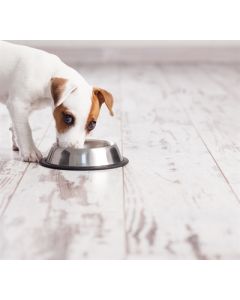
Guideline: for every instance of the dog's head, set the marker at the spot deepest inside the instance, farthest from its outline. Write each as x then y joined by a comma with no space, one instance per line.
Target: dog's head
76,110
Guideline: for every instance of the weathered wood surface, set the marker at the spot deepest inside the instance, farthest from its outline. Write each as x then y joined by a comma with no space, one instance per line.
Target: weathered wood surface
11,168
211,98
177,201
178,198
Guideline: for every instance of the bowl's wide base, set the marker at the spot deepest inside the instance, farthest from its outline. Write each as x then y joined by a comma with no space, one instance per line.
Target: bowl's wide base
46,164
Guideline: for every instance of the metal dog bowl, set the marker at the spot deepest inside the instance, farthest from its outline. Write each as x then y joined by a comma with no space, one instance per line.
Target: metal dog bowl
96,155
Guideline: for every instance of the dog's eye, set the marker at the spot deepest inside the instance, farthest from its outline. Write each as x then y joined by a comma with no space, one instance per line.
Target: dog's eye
68,119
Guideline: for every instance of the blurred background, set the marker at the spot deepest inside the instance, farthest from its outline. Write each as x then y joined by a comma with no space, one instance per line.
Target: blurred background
73,52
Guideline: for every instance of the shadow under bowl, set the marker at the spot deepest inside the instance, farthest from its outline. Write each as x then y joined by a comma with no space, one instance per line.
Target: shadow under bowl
96,155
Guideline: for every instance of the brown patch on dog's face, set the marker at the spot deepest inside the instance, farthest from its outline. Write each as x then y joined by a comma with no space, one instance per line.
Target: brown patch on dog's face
64,118
99,96
95,109
57,88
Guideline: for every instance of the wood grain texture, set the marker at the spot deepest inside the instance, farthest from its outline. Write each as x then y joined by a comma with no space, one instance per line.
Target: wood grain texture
12,168
67,214
177,201
212,100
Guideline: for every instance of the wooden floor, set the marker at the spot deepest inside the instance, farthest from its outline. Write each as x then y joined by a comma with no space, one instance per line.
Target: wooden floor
179,197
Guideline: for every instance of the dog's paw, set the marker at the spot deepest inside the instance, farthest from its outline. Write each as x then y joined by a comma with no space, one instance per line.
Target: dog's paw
34,155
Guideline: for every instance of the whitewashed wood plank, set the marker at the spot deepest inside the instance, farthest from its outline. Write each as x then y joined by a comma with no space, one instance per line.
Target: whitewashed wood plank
177,203
11,167
69,214
214,106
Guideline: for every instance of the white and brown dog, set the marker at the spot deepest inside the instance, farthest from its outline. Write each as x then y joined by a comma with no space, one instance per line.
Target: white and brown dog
31,79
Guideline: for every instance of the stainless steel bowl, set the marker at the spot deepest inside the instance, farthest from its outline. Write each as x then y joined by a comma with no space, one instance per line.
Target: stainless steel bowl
96,155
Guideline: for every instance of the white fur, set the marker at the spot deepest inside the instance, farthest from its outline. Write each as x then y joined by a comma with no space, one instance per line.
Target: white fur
25,80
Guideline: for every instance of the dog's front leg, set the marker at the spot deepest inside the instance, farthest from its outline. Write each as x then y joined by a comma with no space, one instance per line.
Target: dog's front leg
14,140
28,150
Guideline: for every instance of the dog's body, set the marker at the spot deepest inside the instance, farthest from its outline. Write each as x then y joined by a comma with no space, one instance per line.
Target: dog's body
31,79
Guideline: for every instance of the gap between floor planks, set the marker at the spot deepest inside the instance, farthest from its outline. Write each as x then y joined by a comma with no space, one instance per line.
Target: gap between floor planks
219,117
207,231
12,168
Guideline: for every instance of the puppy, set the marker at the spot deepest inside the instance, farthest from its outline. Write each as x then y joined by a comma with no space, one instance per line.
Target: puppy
31,79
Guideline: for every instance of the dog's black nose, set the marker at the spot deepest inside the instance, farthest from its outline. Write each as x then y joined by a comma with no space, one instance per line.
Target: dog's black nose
91,125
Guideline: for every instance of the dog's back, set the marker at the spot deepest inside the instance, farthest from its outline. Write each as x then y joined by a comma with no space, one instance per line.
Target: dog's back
8,60
20,63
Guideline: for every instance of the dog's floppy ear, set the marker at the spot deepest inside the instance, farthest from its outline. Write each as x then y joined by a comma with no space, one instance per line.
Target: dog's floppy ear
104,96
61,88
99,97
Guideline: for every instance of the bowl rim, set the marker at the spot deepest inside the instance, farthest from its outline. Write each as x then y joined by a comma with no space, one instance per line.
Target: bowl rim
43,162
109,144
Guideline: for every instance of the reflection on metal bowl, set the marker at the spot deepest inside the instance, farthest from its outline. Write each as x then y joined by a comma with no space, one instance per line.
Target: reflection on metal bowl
96,155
